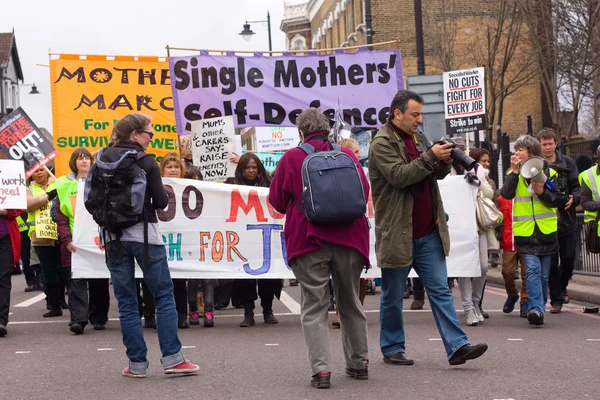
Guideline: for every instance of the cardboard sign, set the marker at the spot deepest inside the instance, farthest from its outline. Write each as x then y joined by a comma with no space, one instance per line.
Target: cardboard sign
213,142
45,228
276,138
21,140
13,195
464,101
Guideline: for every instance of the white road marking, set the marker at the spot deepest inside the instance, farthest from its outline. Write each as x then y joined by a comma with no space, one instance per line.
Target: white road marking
105,349
434,339
290,303
188,347
515,339
22,352
271,344
32,300
593,340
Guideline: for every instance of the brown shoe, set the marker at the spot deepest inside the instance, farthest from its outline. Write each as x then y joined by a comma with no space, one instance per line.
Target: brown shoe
556,309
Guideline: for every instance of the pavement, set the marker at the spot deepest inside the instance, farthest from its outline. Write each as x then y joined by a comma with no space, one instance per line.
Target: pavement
41,359
582,288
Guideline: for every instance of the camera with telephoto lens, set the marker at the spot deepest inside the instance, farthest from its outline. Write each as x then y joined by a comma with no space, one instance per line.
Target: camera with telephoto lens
458,155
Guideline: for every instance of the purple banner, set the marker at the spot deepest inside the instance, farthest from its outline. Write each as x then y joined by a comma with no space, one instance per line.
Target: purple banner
273,91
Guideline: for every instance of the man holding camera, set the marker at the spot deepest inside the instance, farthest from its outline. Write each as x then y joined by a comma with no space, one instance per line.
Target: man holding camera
567,183
411,229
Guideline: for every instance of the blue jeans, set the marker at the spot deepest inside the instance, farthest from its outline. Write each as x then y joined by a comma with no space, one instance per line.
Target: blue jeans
157,277
538,273
429,262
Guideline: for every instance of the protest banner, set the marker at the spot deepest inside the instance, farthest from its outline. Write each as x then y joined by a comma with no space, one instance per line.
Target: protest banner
91,93
13,195
20,139
277,138
212,230
273,91
464,101
213,142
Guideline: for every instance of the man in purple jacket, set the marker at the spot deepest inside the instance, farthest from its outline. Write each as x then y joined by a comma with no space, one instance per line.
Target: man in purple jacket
316,252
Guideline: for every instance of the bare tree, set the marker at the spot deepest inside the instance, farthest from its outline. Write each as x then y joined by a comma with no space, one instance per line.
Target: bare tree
562,37
506,56
441,35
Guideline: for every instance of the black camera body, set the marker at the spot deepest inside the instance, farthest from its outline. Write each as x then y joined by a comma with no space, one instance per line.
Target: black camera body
458,155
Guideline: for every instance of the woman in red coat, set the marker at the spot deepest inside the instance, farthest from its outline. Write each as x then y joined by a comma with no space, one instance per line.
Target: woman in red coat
10,251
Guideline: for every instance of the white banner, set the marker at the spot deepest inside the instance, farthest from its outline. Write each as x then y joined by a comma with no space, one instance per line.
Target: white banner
13,193
213,143
213,230
276,138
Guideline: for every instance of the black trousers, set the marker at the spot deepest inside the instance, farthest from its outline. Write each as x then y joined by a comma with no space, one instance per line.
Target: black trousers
99,303
6,267
267,290
146,306
33,274
181,297
561,273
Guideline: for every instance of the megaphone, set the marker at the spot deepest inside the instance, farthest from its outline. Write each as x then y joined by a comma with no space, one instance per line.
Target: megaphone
533,169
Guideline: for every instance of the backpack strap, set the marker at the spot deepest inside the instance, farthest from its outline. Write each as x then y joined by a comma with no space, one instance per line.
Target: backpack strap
308,148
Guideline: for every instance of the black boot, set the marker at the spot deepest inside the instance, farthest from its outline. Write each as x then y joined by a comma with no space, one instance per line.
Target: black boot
248,315
53,291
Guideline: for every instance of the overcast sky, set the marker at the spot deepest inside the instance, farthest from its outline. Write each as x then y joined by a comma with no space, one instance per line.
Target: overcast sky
127,27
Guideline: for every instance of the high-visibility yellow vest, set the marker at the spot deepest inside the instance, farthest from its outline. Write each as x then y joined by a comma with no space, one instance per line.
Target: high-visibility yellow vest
37,191
66,190
592,181
22,224
529,211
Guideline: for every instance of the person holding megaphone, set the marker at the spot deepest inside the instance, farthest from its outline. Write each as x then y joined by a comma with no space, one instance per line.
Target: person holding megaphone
535,222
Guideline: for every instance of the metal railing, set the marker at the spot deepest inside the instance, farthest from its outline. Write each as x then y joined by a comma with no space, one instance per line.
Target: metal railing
586,263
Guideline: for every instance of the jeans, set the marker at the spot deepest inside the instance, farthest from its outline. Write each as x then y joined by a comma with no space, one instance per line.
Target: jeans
471,289
538,271
429,263
561,274
157,277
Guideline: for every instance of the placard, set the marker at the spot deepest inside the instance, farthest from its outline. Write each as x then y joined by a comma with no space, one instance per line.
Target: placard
213,143
464,101
13,195
277,138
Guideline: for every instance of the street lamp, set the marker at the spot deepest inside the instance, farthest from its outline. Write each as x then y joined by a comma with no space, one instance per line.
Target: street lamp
34,89
247,32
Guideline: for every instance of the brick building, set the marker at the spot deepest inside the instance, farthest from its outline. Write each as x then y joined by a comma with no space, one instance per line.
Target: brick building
454,34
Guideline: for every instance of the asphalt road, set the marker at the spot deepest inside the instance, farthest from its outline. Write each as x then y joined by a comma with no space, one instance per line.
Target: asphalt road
41,359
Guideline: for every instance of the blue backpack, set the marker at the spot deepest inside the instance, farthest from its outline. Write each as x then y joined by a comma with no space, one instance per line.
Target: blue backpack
333,193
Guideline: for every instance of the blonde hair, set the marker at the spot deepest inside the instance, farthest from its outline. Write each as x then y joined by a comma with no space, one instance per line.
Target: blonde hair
349,143
128,124
170,157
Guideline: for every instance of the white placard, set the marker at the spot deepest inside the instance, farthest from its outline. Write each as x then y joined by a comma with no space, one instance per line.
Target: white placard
213,142
13,195
464,93
230,231
270,139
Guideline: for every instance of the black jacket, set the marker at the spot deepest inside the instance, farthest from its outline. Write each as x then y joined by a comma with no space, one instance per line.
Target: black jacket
538,243
156,197
567,183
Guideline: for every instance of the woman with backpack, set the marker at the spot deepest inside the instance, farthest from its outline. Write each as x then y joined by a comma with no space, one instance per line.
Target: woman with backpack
83,308
44,239
120,171
471,289
171,166
250,171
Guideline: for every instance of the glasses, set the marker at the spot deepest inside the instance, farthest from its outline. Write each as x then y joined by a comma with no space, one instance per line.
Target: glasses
148,133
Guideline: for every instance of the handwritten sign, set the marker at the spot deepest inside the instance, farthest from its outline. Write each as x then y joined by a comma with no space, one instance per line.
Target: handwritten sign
13,193
213,142
276,138
45,228
21,140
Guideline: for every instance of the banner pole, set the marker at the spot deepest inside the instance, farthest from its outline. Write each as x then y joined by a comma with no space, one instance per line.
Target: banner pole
49,172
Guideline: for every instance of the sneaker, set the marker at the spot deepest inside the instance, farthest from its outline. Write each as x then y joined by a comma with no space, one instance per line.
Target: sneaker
360,374
270,319
209,321
185,368
535,318
127,372
509,305
555,309
322,380
76,328
468,352
3,330
565,296
471,318
194,319
478,314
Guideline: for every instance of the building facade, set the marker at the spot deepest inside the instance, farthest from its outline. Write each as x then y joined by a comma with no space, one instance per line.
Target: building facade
10,74
454,37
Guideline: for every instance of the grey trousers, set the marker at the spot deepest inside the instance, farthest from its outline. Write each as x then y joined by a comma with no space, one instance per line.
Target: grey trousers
78,301
313,270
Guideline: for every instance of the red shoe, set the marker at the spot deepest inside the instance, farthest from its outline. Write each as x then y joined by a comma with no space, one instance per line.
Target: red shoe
127,372
184,368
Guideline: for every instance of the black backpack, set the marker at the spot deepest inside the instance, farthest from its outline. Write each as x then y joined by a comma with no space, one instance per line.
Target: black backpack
115,189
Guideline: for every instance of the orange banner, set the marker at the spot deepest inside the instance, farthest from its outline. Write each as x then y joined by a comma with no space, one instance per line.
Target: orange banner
91,93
